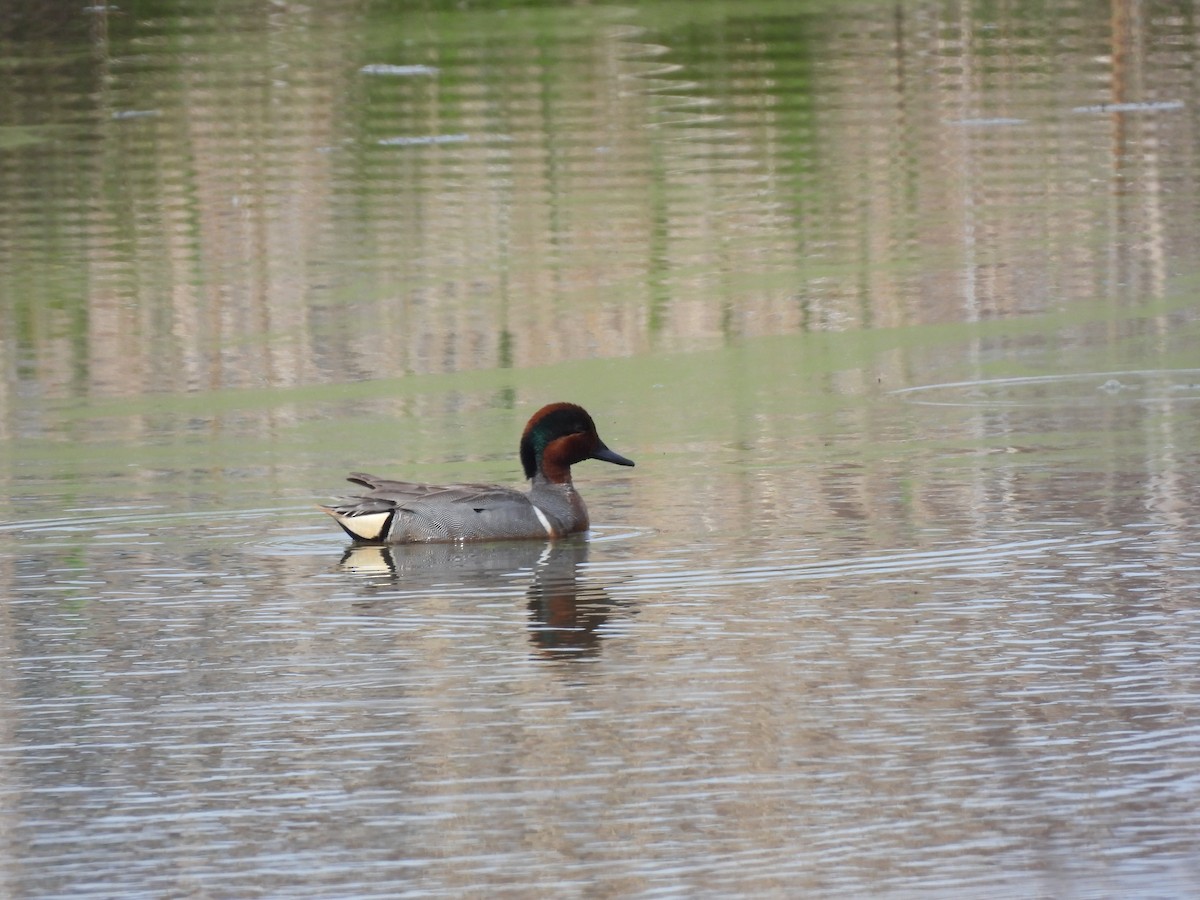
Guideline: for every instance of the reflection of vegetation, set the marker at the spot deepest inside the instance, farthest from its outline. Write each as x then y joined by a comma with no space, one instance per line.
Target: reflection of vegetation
259,211
33,25
14,137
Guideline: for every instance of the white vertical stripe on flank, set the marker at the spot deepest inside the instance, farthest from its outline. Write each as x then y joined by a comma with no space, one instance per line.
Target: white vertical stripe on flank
545,522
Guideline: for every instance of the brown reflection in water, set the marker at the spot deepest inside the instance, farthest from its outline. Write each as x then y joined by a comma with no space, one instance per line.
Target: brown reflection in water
566,612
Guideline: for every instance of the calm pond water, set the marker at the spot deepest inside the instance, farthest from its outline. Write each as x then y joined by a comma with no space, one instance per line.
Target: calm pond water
896,306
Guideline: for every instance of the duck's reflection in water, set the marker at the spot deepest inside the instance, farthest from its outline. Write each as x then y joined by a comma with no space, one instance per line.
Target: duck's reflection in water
566,612
418,566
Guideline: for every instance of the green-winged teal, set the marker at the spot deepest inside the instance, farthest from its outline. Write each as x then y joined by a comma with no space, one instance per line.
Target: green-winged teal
402,512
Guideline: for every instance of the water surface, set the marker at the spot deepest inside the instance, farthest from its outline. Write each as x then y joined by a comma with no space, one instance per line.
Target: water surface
893,304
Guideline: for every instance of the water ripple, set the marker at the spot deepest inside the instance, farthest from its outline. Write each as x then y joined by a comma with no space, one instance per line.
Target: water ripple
1139,385
978,559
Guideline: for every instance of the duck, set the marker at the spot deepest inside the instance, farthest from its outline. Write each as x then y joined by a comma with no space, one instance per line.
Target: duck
556,437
